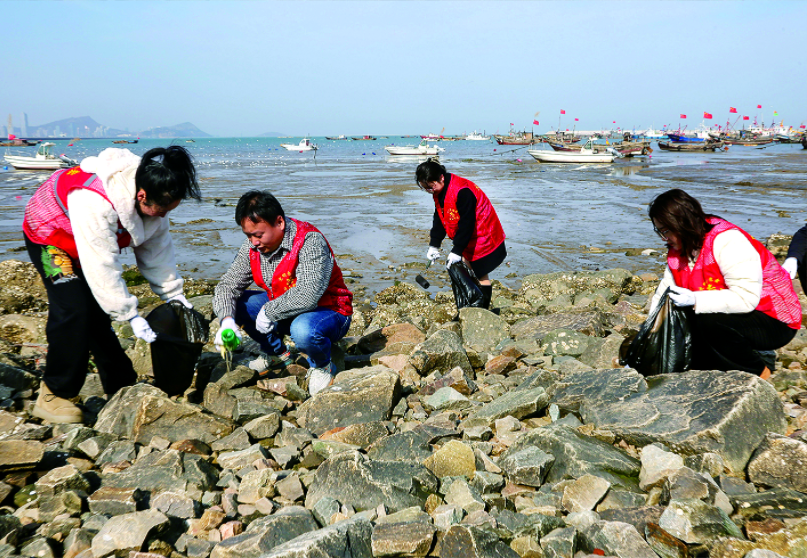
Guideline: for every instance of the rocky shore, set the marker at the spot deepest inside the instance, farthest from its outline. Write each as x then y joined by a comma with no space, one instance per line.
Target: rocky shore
501,434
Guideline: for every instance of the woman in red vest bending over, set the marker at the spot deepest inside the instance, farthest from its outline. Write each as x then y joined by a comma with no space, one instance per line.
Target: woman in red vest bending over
742,301
76,225
464,213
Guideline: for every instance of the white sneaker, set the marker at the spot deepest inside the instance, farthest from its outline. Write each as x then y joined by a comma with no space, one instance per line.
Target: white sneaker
259,364
320,378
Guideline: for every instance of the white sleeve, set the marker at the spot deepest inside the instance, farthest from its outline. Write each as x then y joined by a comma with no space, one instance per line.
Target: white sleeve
157,263
741,267
666,282
95,223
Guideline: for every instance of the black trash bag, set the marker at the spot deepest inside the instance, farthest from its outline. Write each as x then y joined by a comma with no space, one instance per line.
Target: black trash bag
664,342
465,286
181,334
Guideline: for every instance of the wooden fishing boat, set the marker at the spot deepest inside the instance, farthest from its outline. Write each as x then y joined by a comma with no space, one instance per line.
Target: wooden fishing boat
363,138
339,137
748,142
692,147
125,141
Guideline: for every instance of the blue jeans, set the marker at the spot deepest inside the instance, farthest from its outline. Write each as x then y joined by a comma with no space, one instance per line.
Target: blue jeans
313,332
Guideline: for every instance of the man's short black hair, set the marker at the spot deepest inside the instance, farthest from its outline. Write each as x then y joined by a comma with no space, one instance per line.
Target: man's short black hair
429,171
258,205
167,174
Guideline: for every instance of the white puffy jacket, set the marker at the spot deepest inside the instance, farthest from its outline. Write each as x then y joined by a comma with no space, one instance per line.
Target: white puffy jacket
95,222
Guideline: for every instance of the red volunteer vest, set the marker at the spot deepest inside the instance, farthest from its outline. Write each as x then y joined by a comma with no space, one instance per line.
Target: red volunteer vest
778,299
47,220
336,297
489,233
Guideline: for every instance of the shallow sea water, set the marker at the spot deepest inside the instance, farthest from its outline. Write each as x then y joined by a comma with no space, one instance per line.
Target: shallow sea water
556,217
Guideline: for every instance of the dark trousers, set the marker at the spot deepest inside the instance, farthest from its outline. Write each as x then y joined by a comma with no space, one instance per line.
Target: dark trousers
733,341
76,327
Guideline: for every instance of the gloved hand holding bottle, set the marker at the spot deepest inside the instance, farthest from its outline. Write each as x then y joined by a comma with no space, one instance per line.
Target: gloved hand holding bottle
228,336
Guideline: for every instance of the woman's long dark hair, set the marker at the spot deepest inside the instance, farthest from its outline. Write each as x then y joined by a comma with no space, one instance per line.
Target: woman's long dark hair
167,174
683,215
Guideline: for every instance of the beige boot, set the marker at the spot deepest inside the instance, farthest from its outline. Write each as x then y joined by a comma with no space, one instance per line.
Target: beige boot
55,409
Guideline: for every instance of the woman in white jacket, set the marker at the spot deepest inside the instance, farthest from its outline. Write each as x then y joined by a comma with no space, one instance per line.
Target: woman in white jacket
742,302
76,225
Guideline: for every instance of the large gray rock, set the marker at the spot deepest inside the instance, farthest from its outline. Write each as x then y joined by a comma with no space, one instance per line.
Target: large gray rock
466,541
164,470
412,445
780,461
728,413
482,329
577,455
696,522
353,479
657,465
442,351
266,533
118,415
60,480
517,403
127,533
17,378
596,387
601,352
157,415
617,539
528,466
359,396
346,539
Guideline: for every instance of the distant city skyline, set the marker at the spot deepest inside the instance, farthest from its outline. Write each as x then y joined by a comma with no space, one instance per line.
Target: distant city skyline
354,68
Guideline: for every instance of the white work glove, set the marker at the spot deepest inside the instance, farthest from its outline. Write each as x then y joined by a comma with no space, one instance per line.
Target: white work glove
181,298
452,259
226,323
142,329
263,324
791,265
433,253
682,297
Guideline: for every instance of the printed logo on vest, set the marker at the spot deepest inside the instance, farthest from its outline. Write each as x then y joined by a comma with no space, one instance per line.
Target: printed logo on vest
74,170
57,264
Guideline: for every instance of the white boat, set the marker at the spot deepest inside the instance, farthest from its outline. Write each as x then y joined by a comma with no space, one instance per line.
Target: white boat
585,155
304,145
477,137
43,160
421,149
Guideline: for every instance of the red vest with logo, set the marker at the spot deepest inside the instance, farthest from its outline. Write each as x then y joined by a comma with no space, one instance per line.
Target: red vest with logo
336,297
778,299
47,220
489,233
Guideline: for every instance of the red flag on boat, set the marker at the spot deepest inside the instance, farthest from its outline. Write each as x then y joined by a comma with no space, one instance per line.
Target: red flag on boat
746,118
614,122
759,106
512,124
707,116
732,109
802,126
682,116
562,111
535,122
12,136
576,119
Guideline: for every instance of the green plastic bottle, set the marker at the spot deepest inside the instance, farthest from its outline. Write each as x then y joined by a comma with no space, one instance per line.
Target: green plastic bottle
230,340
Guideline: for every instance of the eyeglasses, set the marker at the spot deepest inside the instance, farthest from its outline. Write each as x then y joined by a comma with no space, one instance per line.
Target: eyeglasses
662,232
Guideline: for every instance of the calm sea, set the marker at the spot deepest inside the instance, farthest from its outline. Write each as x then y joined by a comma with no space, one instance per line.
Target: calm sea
556,217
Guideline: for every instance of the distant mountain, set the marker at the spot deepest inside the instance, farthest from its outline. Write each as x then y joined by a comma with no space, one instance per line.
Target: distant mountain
273,135
86,127
184,130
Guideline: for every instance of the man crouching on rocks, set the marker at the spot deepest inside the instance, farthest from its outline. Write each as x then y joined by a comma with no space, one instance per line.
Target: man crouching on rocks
304,294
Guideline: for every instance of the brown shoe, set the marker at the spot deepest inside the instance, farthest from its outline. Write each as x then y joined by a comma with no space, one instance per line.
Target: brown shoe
55,409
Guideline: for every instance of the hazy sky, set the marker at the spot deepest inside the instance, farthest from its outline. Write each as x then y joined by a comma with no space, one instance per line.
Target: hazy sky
332,67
